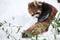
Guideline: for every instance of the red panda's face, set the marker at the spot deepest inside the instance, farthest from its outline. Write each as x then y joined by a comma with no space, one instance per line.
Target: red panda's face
34,10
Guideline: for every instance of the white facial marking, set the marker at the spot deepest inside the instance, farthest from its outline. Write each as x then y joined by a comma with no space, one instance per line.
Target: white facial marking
39,11
39,4
37,15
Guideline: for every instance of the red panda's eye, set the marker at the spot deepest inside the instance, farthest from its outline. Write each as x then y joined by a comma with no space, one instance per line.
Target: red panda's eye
37,13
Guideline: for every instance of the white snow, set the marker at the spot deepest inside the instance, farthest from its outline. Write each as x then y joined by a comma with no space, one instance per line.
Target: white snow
19,10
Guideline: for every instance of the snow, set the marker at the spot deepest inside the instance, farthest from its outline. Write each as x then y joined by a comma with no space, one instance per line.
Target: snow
18,9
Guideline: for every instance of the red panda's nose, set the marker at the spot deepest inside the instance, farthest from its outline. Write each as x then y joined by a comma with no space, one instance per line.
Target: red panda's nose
33,14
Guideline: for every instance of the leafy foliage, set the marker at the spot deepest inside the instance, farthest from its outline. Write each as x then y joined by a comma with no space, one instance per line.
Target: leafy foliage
1,24
57,23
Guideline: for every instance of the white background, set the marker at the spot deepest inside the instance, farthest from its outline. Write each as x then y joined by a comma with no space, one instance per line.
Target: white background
19,10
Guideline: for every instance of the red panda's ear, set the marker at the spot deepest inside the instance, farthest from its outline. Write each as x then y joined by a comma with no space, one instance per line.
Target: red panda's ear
30,8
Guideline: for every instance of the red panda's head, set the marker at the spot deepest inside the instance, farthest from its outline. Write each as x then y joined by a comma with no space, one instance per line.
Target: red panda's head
34,9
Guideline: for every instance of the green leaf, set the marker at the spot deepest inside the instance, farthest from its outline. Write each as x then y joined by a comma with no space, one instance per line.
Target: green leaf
36,36
13,18
52,25
59,19
18,30
1,24
8,36
44,39
5,21
58,25
3,29
28,34
7,31
9,24
58,30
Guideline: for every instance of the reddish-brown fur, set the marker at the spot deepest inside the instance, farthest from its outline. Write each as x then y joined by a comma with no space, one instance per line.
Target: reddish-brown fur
46,23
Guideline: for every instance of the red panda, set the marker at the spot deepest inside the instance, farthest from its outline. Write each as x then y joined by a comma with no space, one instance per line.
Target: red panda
46,13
